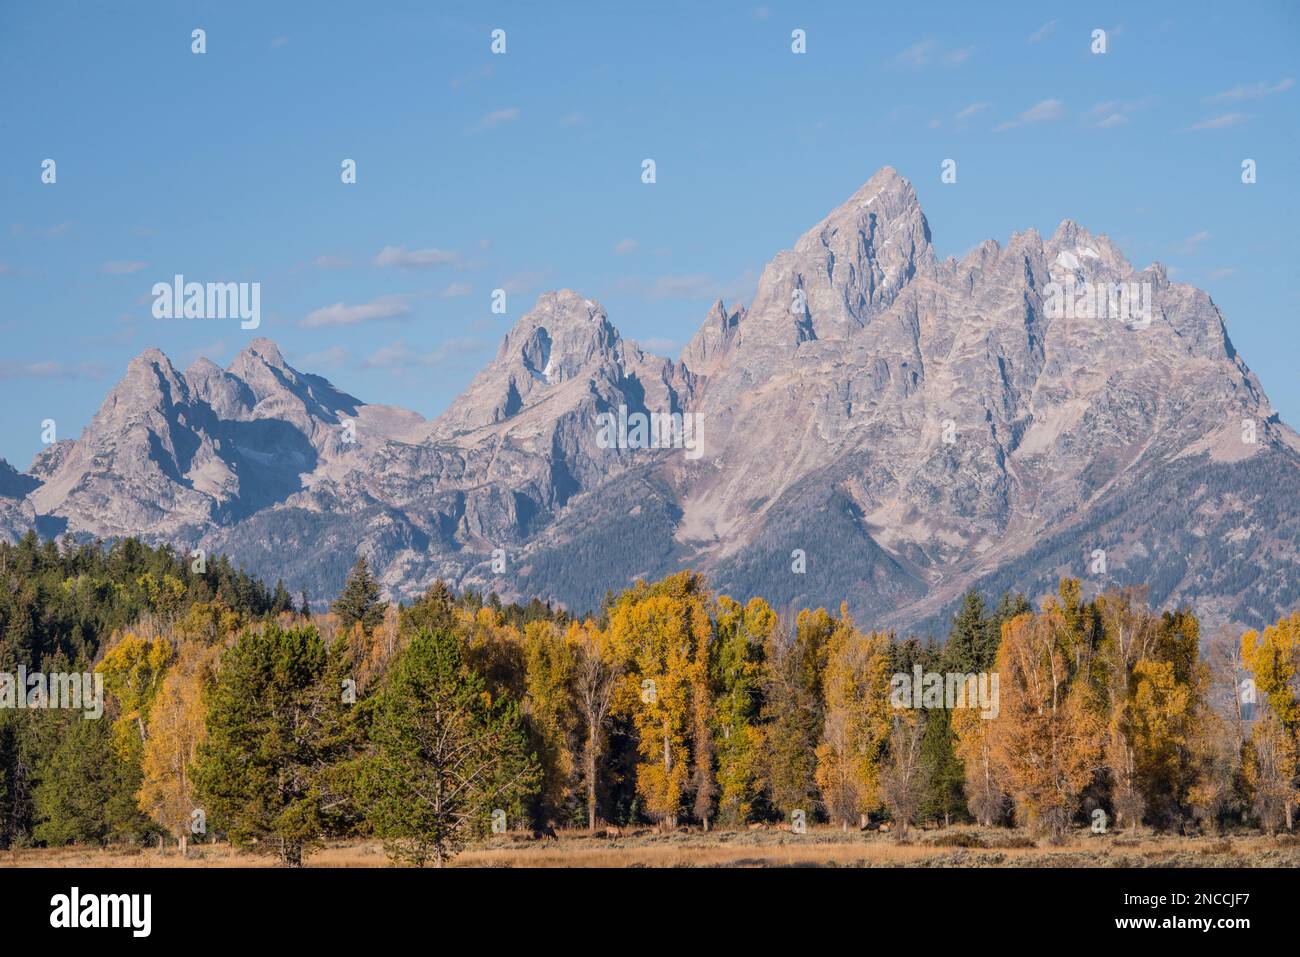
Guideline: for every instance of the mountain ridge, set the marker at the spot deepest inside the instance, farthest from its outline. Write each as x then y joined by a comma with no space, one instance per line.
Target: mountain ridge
913,426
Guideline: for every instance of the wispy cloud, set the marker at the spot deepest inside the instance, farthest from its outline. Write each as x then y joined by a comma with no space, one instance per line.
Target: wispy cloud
659,345
1116,112
400,356
385,307
1221,122
330,358
45,232
623,247
1191,243
523,281
279,42
216,351
121,267
482,73
1041,33
50,370
496,118
926,52
970,111
402,258
1041,112
1250,91
455,290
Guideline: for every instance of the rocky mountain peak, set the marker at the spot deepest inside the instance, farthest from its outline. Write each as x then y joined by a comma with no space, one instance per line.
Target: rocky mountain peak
565,336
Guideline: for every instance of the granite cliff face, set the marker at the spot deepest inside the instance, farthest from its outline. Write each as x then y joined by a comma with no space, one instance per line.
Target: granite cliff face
901,426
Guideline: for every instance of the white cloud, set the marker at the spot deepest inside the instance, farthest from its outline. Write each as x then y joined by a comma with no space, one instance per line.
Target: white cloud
416,258
1221,122
971,110
1040,112
1191,243
925,52
496,118
624,247
122,267
50,370
330,358
1250,91
1042,32
455,290
523,281
385,307
1116,112
400,356
659,345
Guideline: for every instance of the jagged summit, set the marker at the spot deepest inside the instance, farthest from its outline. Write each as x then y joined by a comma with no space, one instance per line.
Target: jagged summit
915,427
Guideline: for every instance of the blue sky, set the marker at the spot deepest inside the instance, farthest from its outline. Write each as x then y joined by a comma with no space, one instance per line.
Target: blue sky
523,171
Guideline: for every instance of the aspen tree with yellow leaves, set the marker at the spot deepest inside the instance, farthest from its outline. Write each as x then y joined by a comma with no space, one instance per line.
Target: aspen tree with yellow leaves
663,631
857,722
548,712
1273,657
1048,736
986,795
597,672
133,668
176,730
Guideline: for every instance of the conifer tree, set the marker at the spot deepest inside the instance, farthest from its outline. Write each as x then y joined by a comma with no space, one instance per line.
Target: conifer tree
360,600
443,756
278,731
743,634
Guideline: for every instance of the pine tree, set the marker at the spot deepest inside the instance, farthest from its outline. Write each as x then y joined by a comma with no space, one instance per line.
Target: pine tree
443,757
281,601
973,639
360,600
943,797
277,727
85,792
794,711
743,634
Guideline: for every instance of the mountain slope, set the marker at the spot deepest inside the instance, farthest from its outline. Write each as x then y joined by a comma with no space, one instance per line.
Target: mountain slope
877,426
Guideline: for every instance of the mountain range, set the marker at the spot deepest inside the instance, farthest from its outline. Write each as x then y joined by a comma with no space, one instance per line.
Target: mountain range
879,427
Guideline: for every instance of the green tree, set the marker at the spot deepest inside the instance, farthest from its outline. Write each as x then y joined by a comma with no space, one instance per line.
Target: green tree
85,793
359,601
794,710
739,666
277,728
443,756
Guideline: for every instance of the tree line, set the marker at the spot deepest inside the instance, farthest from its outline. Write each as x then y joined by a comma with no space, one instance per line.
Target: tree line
232,712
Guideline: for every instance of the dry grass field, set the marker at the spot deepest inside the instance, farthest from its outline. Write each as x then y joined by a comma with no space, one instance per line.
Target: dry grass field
819,847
